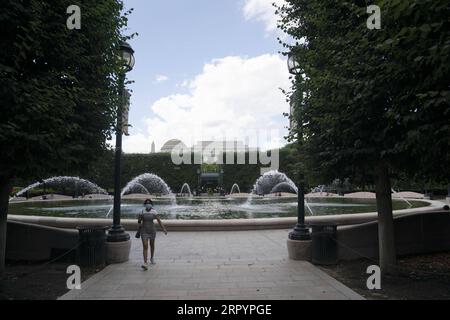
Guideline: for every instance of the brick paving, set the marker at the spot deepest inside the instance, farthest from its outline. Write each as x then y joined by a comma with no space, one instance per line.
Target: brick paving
229,265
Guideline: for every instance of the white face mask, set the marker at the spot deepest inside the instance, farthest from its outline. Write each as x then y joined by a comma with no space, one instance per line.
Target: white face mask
148,206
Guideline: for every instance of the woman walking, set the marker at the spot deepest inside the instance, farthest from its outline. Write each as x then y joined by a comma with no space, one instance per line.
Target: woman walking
148,230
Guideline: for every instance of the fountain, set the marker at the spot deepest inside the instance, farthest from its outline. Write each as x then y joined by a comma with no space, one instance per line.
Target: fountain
283,187
268,182
235,187
64,183
271,179
150,182
395,192
186,186
235,207
308,207
136,188
146,183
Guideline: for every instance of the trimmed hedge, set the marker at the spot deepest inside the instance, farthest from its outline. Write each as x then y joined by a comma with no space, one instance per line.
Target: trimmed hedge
245,175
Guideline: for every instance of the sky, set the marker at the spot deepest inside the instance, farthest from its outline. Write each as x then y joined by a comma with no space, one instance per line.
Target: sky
206,70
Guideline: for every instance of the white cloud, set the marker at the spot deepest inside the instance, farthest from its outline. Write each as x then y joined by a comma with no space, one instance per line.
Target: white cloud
161,78
232,97
184,84
136,143
263,11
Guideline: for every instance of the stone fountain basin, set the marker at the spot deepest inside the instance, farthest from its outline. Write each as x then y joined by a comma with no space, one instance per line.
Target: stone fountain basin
225,224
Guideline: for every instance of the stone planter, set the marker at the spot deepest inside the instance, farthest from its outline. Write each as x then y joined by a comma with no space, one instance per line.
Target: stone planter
117,252
299,249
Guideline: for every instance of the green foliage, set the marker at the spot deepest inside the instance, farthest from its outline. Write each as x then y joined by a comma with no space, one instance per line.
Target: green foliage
372,96
101,172
160,164
210,167
244,175
289,160
58,87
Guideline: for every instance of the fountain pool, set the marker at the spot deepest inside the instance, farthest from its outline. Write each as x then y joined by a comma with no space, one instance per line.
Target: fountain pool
204,208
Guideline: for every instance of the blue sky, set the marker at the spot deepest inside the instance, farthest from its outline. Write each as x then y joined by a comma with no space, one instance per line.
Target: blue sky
204,66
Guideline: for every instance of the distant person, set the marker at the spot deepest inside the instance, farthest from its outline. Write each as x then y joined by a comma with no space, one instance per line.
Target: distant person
148,230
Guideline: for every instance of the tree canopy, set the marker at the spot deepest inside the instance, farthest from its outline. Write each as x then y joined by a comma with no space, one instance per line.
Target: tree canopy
371,95
372,102
58,89
58,86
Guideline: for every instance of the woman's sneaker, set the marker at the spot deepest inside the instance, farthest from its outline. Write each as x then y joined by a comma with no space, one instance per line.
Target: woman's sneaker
145,266
152,261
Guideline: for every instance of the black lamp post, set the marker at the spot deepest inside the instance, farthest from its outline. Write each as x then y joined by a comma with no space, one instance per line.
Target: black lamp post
117,232
300,232
199,180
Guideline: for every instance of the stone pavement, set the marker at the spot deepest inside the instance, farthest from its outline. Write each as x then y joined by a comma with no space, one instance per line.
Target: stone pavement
214,265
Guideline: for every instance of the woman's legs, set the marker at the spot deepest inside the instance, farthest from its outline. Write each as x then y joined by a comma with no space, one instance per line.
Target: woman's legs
152,248
145,249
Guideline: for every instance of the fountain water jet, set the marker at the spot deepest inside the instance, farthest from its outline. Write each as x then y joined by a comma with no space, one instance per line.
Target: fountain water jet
77,185
269,180
395,192
152,183
136,188
283,187
149,183
234,187
186,186
309,207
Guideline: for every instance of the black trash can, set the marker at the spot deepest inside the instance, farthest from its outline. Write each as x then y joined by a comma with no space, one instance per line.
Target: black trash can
92,249
324,246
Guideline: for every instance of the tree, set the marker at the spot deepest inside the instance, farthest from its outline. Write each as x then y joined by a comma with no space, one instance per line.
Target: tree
58,89
374,102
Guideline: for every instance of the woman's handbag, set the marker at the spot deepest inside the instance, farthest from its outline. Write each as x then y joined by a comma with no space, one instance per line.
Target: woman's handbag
138,232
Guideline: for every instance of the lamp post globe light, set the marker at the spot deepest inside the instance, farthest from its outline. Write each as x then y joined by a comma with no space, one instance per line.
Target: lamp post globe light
293,65
127,54
300,231
117,233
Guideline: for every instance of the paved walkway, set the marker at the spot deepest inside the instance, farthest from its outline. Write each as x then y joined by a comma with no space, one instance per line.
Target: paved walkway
214,265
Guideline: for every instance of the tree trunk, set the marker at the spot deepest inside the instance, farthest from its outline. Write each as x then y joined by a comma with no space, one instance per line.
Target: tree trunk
386,239
5,188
